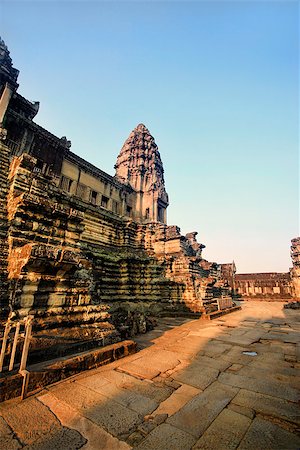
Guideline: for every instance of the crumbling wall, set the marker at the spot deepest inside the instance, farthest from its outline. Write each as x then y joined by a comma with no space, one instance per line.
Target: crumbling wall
74,265
182,258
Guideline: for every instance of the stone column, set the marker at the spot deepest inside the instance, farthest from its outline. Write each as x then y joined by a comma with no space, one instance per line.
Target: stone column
4,101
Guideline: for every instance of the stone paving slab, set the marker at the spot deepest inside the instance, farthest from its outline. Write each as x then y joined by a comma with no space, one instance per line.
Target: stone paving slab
214,348
243,410
94,435
187,350
273,388
235,355
246,339
125,397
284,337
76,395
139,371
151,365
177,400
7,438
166,437
226,432
64,438
218,363
197,375
282,367
105,406
29,427
265,404
264,435
196,416
108,413
269,374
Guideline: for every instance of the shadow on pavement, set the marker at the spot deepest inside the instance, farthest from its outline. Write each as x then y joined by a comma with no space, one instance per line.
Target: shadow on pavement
190,386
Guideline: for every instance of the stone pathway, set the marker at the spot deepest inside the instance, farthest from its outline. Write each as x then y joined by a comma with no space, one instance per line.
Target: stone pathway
190,387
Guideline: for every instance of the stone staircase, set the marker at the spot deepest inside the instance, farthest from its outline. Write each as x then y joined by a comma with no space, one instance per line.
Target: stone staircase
4,170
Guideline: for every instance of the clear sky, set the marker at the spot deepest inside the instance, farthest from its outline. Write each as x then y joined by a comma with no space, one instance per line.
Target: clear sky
216,83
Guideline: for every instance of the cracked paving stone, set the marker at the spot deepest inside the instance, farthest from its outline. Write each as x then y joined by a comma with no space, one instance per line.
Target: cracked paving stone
225,432
167,437
264,435
196,416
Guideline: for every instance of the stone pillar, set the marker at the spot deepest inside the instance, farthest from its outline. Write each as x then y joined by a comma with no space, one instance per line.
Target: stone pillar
4,101
295,271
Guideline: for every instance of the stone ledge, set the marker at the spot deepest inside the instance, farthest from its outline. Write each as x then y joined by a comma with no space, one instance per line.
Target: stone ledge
49,372
216,314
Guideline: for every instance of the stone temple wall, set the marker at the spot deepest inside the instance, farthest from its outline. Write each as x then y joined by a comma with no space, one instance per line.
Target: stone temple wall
264,286
72,264
70,255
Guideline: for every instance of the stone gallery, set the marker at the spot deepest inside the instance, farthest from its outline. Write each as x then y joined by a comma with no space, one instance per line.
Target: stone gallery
86,257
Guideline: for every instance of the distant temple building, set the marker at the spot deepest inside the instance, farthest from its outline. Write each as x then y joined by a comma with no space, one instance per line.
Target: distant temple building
264,286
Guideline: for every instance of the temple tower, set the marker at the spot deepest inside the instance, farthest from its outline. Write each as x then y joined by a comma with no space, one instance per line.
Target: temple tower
8,83
139,165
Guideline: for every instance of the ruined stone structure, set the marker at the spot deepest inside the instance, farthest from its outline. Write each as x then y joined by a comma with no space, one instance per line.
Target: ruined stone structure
89,255
264,286
228,271
295,271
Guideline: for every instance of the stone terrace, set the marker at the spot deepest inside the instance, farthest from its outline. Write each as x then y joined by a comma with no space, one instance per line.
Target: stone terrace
190,386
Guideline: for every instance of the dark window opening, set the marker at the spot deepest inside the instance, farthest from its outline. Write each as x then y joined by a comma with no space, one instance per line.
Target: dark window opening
94,197
147,213
104,201
115,207
66,183
160,214
128,210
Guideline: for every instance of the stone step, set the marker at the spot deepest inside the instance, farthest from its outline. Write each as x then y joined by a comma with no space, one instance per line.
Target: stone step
48,372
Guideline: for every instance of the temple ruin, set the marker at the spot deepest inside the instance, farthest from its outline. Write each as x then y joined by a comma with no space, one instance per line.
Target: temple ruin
89,256
295,270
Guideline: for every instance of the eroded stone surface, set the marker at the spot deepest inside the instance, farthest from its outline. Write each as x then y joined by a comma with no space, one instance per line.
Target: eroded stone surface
115,408
226,432
264,435
167,437
70,417
197,375
272,388
198,413
7,439
265,404
177,400
30,420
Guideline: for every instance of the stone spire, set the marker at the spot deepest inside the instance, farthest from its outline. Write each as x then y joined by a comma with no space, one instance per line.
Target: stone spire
8,84
139,164
7,72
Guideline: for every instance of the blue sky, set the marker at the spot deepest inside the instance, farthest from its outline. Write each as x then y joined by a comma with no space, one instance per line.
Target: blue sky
216,83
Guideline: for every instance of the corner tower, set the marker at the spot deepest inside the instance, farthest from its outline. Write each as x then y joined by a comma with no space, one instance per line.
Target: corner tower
139,165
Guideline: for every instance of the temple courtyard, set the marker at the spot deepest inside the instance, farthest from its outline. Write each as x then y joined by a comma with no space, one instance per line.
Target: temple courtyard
221,384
